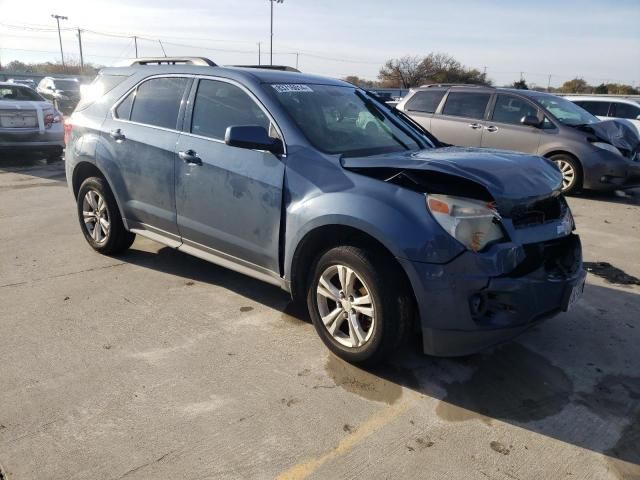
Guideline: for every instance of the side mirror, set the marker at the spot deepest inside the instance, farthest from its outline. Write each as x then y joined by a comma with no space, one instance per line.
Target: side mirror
252,137
530,121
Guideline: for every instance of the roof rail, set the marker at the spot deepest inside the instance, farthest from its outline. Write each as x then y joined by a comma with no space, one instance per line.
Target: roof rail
477,85
283,68
200,61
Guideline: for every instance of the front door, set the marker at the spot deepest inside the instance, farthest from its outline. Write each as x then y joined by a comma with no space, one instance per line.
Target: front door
228,199
461,120
505,130
142,137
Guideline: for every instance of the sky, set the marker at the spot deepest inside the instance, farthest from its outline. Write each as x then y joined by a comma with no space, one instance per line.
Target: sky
596,40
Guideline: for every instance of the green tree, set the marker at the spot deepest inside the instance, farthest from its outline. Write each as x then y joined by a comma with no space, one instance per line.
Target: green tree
360,82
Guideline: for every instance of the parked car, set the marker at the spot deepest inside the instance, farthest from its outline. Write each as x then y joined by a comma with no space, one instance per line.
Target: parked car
27,82
591,154
28,122
610,107
315,186
63,92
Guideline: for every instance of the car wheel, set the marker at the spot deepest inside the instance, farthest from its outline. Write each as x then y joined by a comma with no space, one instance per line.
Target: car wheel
571,173
357,304
100,218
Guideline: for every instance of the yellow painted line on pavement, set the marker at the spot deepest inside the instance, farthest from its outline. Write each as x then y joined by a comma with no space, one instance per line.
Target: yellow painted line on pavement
374,423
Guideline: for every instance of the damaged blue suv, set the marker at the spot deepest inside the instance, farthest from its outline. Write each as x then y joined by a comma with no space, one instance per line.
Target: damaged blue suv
315,186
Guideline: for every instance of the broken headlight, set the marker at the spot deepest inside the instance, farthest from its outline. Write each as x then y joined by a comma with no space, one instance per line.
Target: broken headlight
474,223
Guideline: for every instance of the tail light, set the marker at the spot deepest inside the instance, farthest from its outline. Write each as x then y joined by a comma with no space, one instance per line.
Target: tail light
68,127
52,117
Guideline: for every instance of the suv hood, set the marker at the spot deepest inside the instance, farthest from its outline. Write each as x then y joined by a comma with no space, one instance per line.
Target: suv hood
510,178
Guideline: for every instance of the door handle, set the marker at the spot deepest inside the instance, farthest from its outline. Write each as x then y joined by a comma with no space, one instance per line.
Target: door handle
475,126
189,156
117,135
491,128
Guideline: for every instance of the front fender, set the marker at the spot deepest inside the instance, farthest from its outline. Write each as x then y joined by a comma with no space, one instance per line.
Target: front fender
394,216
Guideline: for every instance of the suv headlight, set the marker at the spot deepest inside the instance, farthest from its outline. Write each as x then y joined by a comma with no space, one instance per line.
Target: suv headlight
473,223
607,146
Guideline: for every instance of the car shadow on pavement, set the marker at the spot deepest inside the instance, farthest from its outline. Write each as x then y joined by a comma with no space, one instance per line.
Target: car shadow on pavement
624,197
33,165
575,378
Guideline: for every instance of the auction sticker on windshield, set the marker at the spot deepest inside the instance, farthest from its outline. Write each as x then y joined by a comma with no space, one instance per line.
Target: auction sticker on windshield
291,87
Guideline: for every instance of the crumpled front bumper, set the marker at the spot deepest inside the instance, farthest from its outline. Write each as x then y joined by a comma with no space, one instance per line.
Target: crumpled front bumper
480,299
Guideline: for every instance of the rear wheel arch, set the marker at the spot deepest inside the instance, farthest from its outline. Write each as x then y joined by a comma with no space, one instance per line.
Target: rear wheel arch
84,170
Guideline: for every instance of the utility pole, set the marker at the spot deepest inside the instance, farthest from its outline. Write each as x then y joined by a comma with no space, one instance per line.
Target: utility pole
135,42
58,18
297,60
259,56
271,50
549,84
80,45
162,47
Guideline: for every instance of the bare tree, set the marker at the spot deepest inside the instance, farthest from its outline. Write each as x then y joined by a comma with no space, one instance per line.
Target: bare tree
404,72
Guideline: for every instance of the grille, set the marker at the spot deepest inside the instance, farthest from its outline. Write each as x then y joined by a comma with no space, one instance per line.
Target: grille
538,213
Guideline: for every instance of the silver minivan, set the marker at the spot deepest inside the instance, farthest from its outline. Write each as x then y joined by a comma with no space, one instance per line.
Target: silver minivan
590,154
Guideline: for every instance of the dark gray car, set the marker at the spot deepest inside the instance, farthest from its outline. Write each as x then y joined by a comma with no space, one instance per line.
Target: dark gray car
315,186
590,154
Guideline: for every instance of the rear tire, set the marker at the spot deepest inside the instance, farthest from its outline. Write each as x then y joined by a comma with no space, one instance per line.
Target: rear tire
359,304
100,218
571,172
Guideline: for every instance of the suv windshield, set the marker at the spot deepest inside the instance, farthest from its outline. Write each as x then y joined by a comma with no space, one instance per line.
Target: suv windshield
344,120
66,85
8,92
567,112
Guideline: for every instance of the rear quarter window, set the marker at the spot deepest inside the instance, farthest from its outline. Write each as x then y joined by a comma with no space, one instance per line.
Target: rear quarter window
425,101
466,104
100,86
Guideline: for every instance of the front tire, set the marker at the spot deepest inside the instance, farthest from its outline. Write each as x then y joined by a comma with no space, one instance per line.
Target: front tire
100,218
358,305
571,173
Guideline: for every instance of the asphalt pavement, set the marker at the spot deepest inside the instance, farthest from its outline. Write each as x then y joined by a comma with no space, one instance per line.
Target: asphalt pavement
155,364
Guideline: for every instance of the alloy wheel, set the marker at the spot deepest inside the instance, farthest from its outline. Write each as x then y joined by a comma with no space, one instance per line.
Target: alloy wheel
346,306
96,217
568,174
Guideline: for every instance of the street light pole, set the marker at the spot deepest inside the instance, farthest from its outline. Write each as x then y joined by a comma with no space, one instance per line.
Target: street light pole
271,50
58,18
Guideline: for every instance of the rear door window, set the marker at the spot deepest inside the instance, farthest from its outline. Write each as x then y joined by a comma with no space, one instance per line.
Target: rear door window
625,110
219,105
466,104
425,101
157,102
599,109
510,109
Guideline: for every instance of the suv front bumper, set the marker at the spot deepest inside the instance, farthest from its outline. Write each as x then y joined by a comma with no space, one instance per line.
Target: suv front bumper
480,299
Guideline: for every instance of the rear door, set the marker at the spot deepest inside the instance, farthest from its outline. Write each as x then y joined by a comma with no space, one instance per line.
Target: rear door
423,104
461,119
142,135
228,199
504,130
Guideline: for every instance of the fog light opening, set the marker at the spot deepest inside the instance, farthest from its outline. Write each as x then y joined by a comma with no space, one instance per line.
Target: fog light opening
478,304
